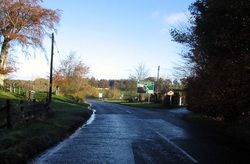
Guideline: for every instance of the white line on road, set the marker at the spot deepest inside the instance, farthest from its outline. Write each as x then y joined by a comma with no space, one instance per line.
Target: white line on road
177,147
128,112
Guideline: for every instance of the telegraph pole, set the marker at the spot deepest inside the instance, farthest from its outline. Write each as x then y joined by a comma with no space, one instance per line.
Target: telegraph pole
157,88
51,69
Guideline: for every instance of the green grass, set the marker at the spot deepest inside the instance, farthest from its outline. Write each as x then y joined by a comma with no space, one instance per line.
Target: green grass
143,105
115,100
6,95
28,139
136,104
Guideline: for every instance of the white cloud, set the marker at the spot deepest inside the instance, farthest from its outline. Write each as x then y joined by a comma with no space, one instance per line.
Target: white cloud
176,18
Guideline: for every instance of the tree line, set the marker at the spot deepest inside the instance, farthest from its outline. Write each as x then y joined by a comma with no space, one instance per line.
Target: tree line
71,79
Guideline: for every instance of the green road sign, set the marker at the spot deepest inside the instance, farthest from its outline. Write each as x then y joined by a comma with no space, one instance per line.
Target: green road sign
145,87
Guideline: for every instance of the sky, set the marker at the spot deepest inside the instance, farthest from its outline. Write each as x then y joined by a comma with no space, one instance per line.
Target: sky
112,37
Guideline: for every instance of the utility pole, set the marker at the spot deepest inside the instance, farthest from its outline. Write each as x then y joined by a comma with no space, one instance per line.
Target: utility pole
157,88
51,69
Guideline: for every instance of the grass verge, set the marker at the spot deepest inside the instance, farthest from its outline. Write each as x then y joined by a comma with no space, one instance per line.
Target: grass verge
150,105
27,140
136,104
143,105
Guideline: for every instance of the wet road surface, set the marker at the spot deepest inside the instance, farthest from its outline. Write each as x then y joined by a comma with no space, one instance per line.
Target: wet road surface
122,134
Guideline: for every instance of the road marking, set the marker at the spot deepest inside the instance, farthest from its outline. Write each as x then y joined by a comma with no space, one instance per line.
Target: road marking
128,112
177,147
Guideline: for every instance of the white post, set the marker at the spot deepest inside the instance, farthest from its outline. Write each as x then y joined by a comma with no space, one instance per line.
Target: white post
2,77
180,102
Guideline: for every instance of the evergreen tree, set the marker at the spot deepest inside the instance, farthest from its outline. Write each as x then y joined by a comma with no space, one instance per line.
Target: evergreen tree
219,41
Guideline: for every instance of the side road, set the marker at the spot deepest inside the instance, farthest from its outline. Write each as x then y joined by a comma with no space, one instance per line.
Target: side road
238,130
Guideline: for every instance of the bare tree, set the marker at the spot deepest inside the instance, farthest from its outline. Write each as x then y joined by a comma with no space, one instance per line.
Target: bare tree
70,76
141,72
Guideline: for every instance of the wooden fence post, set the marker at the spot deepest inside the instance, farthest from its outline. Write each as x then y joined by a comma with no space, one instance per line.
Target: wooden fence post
8,118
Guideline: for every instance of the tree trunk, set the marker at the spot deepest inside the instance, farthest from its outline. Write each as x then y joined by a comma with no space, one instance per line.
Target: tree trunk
4,59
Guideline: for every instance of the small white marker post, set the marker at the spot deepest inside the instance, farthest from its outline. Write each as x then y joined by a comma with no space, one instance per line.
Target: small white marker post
170,94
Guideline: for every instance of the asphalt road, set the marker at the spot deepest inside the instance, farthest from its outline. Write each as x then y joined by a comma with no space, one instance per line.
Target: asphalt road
121,134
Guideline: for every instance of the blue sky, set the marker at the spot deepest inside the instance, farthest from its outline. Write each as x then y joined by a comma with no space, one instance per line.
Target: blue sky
113,36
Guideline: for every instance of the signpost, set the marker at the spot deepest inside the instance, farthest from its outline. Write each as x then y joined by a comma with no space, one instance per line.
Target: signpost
170,94
145,87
